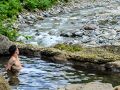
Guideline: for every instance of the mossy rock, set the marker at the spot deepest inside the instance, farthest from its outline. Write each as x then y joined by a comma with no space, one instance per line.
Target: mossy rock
68,52
3,84
90,54
98,55
102,54
67,47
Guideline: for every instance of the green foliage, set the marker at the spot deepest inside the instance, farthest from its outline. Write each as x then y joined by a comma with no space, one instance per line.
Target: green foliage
41,4
28,37
9,9
45,4
31,4
71,48
9,32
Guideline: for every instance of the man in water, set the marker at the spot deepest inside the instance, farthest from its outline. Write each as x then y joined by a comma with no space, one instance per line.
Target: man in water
13,65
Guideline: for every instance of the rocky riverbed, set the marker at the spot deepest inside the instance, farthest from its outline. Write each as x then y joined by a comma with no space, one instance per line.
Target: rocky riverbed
91,23
81,22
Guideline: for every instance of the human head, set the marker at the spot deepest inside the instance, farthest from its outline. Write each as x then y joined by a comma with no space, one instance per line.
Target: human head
13,50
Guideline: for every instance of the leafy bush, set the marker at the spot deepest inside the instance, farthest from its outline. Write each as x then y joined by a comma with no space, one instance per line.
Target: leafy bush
9,9
9,32
41,4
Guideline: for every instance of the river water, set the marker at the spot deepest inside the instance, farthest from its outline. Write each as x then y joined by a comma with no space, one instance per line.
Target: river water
43,75
37,74
103,16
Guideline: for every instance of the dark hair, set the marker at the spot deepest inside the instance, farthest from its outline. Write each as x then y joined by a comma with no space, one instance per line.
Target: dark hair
12,49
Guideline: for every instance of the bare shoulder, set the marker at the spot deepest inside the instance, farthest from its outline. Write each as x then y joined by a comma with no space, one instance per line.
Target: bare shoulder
12,59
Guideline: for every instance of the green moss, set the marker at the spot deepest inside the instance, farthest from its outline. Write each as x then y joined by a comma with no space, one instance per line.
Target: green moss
71,48
76,52
89,56
101,54
94,55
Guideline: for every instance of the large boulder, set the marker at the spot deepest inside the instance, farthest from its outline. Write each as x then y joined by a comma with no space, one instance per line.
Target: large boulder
4,44
97,86
88,86
90,27
117,88
28,49
53,55
3,84
25,49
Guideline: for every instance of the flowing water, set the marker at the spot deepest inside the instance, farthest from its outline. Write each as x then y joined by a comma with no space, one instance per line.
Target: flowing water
42,75
68,28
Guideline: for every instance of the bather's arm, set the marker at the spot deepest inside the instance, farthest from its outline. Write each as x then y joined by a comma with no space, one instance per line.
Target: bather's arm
9,64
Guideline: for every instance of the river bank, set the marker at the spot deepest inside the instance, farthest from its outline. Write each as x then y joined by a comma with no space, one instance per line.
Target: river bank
84,33
86,58
105,58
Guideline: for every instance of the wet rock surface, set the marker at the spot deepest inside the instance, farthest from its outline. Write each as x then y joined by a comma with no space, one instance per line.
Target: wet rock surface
89,27
4,44
53,55
3,84
89,86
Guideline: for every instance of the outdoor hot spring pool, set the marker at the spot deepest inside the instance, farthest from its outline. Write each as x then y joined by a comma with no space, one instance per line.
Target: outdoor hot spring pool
38,74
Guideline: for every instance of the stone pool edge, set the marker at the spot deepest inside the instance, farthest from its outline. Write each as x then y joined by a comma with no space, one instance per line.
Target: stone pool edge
105,58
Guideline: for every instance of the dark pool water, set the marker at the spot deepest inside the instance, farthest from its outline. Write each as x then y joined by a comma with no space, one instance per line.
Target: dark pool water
43,75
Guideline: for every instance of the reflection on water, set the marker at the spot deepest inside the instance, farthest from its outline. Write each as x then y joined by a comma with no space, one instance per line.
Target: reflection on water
41,75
